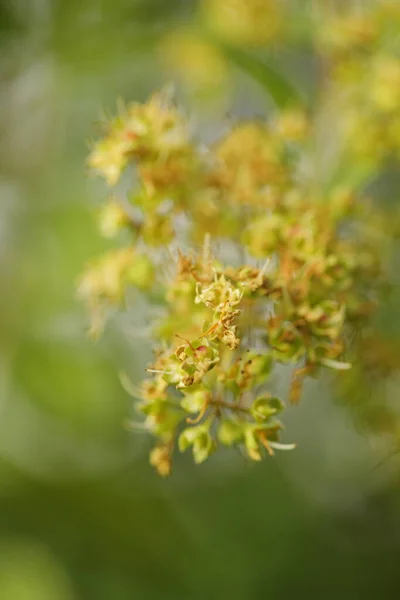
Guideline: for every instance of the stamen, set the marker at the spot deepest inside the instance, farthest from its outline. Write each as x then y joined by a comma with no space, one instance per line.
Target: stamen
279,446
186,340
128,385
159,371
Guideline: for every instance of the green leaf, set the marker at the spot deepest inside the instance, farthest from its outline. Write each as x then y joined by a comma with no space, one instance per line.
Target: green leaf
282,92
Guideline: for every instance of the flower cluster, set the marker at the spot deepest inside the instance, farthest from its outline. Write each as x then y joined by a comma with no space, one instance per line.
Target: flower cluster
359,46
304,272
198,50
254,22
356,53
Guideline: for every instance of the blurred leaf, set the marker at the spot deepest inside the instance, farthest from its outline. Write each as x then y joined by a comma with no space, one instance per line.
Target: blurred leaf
279,88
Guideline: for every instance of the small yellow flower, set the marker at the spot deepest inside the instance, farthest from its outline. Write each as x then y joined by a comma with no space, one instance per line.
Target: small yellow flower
160,459
255,22
292,125
112,218
198,62
385,84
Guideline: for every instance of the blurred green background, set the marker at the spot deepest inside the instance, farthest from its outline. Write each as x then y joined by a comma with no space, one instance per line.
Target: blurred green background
82,514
